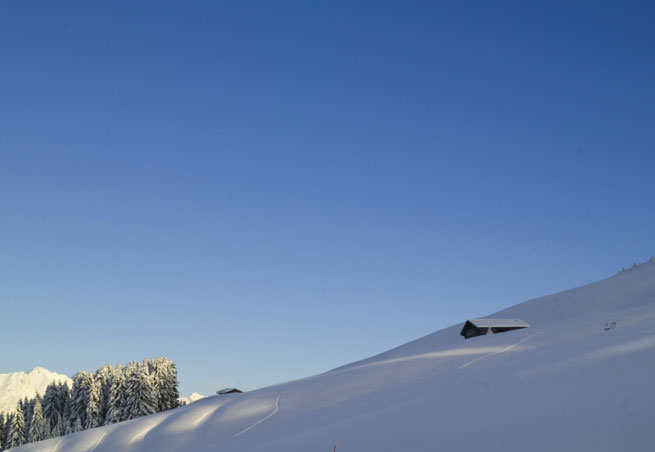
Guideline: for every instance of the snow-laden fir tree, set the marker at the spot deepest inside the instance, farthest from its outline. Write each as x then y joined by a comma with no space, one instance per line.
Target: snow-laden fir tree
17,429
38,430
164,374
27,413
50,404
58,429
2,430
63,400
77,426
54,403
141,393
69,422
82,387
117,397
93,414
103,377
5,432
171,387
129,370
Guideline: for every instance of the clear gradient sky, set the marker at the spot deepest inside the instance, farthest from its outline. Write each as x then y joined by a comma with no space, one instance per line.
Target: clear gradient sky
263,191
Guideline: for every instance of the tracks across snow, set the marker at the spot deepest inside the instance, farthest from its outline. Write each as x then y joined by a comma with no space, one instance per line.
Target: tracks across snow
503,350
268,416
101,439
54,449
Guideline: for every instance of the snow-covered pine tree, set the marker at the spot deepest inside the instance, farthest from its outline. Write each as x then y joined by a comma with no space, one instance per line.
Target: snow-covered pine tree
75,396
5,433
82,388
38,430
26,408
17,429
2,430
103,377
117,397
93,415
141,394
157,375
54,403
68,428
164,375
128,371
58,429
171,393
77,426
63,399
68,415
50,410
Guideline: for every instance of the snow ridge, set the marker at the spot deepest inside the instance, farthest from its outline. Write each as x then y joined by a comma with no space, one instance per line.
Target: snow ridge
270,415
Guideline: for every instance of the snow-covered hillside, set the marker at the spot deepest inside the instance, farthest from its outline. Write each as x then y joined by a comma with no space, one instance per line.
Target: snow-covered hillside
18,385
564,383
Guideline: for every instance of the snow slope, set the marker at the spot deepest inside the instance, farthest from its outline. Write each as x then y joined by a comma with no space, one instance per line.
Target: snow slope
18,385
563,384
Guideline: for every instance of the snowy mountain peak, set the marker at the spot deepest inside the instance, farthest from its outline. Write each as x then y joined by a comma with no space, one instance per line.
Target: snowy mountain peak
18,385
193,397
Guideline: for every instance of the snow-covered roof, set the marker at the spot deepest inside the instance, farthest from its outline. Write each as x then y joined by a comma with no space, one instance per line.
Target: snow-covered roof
227,391
498,323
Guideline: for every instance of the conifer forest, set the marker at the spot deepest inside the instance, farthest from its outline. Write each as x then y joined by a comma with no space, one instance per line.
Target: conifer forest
110,394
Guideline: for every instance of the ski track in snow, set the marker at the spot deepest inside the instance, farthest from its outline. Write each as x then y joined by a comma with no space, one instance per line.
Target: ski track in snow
268,416
54,449
100,440
506,349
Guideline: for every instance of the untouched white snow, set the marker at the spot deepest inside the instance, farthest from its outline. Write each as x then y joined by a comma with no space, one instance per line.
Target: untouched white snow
18,385
563,384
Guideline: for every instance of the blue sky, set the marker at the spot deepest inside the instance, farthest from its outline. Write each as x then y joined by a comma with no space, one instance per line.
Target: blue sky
267,190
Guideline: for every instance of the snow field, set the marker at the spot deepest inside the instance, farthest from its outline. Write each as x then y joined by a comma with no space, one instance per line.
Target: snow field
563,384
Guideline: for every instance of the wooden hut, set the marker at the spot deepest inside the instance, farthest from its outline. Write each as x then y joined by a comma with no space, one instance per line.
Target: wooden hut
228,391
480,327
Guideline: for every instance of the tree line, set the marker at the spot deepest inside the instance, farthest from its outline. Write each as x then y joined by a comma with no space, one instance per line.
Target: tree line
110,394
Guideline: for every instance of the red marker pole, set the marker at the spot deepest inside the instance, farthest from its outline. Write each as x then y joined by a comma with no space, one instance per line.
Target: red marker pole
335,447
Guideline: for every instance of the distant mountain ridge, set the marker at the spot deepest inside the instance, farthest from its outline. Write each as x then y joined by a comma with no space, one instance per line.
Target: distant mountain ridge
18,385
193,397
